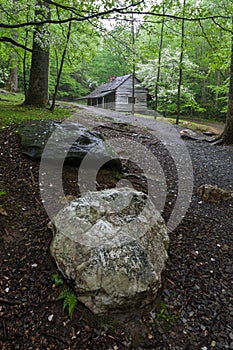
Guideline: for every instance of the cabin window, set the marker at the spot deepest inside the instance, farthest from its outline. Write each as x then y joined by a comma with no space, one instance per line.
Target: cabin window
131,100
122,99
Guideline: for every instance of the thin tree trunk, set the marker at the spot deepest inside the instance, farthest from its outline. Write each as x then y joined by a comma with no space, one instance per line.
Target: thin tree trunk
159,62
227,135
13,73
133,70
37,94
218,78
24,65
61,67
203,91
218,84
13,79
180,64
25,59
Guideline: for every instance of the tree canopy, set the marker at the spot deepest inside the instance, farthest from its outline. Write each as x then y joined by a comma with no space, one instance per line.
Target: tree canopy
181,49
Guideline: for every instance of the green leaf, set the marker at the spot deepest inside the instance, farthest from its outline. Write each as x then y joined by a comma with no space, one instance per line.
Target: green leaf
57,280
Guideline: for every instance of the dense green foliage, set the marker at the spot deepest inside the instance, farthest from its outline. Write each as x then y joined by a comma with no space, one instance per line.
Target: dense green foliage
101,46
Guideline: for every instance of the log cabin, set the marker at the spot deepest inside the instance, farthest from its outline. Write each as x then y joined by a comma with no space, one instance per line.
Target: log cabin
117,94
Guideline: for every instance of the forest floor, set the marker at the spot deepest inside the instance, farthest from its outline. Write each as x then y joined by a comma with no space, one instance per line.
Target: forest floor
194,309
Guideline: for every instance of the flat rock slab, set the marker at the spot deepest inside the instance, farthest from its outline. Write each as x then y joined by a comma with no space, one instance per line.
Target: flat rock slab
68,140
112,245
192,135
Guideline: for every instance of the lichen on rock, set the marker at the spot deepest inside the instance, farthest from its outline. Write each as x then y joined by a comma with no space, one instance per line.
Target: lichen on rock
113,245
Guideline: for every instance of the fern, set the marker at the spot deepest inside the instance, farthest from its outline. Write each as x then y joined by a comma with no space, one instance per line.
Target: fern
57,280
70,301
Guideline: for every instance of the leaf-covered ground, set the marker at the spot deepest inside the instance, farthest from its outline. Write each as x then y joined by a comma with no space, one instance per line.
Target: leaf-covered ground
193,311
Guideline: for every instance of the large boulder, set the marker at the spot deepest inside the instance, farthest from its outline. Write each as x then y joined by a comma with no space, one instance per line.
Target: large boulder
112,245
66,136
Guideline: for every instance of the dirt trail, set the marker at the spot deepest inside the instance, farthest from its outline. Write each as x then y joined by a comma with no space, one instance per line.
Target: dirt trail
100,114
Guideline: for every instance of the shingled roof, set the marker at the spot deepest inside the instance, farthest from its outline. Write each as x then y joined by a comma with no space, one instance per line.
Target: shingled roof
109,87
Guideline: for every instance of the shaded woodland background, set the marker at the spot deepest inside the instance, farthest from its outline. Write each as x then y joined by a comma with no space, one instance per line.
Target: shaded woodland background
181,51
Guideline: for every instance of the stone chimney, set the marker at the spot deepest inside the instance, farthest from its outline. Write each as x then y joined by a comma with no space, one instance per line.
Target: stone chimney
111,78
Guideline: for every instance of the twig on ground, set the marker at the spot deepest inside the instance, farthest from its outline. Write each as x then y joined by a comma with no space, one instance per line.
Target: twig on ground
32,176
10,301
54,336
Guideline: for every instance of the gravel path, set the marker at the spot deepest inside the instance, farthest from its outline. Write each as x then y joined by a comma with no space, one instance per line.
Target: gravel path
200,277
195,308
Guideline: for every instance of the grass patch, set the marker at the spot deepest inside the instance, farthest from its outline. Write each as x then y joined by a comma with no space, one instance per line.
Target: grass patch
197,124
201,126
12,111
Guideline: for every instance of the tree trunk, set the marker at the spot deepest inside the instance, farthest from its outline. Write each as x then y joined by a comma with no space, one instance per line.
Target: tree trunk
37,94
25,60
61,67
159,61
227,135
13,72
218,84
13,79
181,63
133,70
203,91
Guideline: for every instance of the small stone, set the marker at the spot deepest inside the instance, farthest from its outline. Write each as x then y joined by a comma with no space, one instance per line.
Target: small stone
44,282
221,345
153,314
50,318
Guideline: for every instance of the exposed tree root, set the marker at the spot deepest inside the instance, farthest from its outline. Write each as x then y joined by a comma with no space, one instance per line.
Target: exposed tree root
218,142
221,140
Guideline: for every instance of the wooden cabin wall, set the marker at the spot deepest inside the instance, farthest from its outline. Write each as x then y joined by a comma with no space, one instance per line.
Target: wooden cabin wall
124,92
119,100
109,101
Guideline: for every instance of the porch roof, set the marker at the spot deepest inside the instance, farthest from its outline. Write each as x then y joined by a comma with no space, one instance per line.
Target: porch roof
102,94
107,88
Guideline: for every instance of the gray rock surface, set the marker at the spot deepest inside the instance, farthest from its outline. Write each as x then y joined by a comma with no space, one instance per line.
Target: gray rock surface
213,193
68,137
112,245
